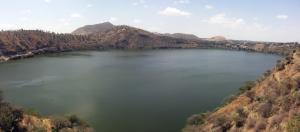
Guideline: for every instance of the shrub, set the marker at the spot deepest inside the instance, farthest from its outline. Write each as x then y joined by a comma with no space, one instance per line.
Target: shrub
31,111
228,99
264,109
293,125
75,120
239,121
59,122
297,64
267,73
250,123
1,95
241,112
287,100
260,125
247,86
10,116
297,80
250,94
280,66
275,120
197,119
224,122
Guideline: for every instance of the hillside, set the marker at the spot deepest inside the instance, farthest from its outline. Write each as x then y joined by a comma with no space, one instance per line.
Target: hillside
216,38
21,43
183,36
125,37
269,104
18,44
91,29
26,43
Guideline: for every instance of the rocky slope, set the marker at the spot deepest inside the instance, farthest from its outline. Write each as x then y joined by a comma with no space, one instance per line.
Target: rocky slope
91,29
269,104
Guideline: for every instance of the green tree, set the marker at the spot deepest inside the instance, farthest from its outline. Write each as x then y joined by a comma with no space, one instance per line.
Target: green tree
1,95
75,120
247,86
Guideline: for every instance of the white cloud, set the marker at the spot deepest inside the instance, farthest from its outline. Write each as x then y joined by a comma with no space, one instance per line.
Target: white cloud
113,19
89,5
134,4
47,0
208,7
182,1
76,15
62,20
142,1
23,18
258,27
145,6
282,16
173,12
27,11
136,21
226,22
255,18
66,24
6,25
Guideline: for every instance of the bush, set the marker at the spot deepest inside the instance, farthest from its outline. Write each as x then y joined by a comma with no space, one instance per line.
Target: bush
59,122
280,66
224,122
276,120
250,123
260,125
10,116
297,80
75,120
293,125
250,94
264,109
247,86
1,95
239,121
241,112
197,119
267,73
228,99
31,111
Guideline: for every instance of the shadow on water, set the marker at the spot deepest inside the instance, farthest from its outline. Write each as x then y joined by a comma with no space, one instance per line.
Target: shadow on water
68,55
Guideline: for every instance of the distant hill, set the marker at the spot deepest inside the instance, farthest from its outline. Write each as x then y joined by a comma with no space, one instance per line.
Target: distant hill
133,38
217,38
184,36
91,29
18,44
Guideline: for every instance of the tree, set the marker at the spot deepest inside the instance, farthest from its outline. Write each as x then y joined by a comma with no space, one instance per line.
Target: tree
1,95
247,86
59,122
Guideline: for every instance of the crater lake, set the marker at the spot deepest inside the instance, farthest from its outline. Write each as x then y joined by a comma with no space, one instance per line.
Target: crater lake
131,90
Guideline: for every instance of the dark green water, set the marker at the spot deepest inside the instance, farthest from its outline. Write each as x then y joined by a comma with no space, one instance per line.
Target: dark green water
131,91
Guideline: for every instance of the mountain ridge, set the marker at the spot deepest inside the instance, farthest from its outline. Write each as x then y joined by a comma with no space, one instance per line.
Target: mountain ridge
91,29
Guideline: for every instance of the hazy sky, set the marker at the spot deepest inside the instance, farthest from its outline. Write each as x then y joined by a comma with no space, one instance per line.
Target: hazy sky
263,20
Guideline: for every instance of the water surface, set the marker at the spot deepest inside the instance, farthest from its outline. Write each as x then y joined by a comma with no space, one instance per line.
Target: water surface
127,91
